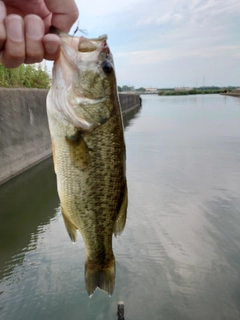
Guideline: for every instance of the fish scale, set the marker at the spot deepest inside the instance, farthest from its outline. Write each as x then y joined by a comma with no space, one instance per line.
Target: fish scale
89,152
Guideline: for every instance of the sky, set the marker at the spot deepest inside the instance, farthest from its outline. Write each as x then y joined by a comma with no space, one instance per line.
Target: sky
168,43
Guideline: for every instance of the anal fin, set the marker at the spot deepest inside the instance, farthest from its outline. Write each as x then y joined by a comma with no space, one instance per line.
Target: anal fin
122,215
71,229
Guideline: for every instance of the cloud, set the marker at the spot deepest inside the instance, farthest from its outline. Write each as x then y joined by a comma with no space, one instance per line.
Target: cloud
159,55
180,37
106,7
160,20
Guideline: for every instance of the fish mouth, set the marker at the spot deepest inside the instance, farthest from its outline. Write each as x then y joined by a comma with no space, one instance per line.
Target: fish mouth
82,44
90,45
78,57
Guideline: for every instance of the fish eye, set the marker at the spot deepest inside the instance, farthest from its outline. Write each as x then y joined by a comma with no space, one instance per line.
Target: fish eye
107,67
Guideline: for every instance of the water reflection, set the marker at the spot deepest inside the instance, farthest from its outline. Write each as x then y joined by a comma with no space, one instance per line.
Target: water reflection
26,203
32,268
178,257
129,117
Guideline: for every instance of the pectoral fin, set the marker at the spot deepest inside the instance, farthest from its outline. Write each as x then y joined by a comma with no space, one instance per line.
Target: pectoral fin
122,215
71,229
78,150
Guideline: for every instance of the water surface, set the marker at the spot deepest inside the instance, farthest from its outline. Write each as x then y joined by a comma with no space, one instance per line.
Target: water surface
179,255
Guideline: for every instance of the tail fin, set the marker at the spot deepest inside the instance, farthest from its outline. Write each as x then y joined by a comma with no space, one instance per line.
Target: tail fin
102,277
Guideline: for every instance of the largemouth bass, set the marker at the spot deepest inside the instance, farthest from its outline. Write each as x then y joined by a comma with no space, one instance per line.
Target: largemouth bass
89,152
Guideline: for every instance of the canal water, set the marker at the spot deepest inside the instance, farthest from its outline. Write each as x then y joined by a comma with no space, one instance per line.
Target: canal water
179,255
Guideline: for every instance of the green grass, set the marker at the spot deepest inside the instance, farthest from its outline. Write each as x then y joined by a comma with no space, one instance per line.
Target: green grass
25,76
188,92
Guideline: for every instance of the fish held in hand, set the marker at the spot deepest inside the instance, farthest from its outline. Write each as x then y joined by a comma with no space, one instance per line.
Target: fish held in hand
88,147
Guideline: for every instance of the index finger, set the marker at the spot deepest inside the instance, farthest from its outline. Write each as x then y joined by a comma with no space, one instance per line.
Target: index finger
64,13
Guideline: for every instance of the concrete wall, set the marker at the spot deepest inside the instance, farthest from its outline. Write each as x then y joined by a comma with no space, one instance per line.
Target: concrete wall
234,93
129,101
24,133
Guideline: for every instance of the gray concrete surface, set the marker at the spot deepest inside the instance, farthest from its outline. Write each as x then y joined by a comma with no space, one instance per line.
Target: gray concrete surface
128,101
24,133
234,93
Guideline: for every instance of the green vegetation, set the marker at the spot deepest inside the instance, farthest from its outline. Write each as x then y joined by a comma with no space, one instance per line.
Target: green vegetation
126,88
177,91
141,89
28,76
192,91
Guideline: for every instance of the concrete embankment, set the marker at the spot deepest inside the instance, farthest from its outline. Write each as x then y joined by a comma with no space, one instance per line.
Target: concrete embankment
24,133
234,93
129,101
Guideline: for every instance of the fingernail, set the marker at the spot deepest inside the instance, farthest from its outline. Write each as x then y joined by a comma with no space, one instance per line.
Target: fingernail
34,27
2,11
51,48
14,27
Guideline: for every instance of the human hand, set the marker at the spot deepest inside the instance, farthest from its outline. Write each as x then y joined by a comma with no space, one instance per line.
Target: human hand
24,26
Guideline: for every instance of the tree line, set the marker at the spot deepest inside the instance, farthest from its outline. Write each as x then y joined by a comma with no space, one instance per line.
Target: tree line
28,76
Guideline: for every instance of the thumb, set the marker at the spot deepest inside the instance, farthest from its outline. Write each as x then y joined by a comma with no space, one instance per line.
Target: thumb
64,13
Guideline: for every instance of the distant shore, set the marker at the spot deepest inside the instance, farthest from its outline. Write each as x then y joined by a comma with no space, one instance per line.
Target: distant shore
234,93
189,92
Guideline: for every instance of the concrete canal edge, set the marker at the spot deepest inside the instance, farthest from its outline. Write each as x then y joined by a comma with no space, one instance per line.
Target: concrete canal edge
24,134
234,93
